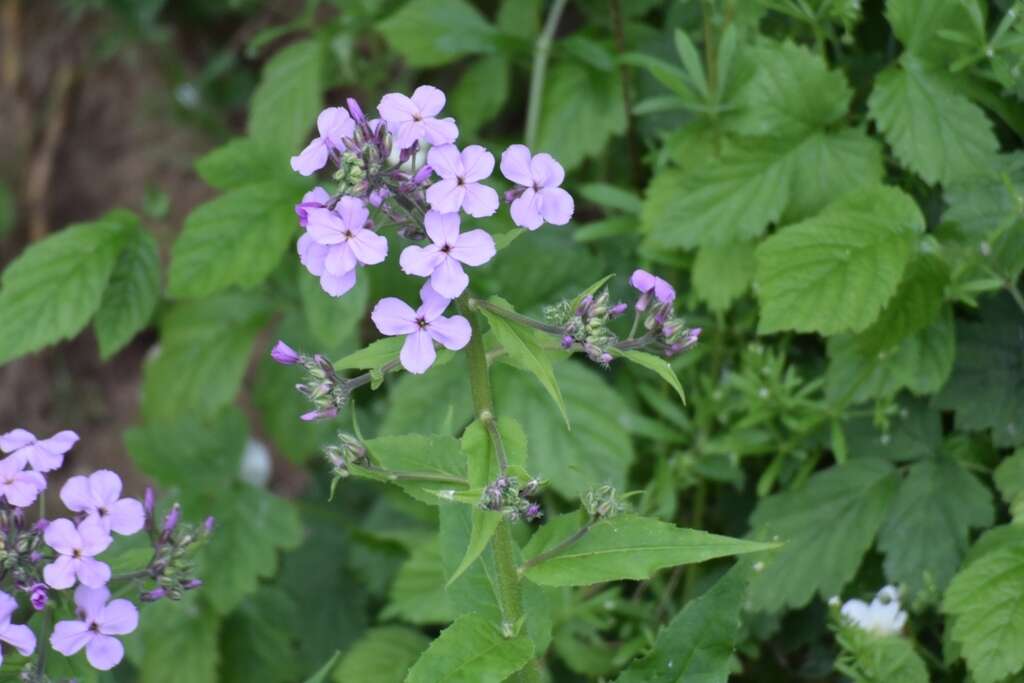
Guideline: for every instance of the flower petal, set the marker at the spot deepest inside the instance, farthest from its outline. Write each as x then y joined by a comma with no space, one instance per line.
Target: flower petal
126,516
524,211
452,333
641,280
480,200
369,247
449,279
312,254
23,491
477,163
556,205
118,618
663,291
95,539
434,304
105,486
325,227
397,108
69,637
60,573
515,165
42,458
445,196
61,442
7,606
440,131
338,285
418,352
429,100
92,573
334,123
76,494
394,317
474,248
407,133
420,261
15,439
352,212
311,159
339,259
91,601
442,228
62,536
104,652
21,637
546,171
317,195
446,161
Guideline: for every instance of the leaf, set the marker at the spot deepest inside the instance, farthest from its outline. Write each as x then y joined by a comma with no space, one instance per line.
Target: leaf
985,602
333,321
166,630
523,345
920,25
826,165
254,645
132,293
286,102
612,197
239,162
374,356
582,109
657,365
623,547
382,655
836,271
698,644
51,291
481,94
722,274
413,404
825,527
1009,479
927,532
323,672
471,650
418,595
933,129
915,306
235,239
429,33
437,456
892,658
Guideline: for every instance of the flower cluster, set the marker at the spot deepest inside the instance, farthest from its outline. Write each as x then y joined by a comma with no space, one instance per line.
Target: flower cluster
45,558
505,495
882,616
323,387
586,325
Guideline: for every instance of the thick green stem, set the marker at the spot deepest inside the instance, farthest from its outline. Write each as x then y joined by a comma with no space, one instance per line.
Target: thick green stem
541,52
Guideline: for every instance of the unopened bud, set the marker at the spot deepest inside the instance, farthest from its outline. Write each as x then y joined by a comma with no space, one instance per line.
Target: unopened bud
567,341
170,522
617,310
153,595
208,525
355,110
192,584
38,596
149,501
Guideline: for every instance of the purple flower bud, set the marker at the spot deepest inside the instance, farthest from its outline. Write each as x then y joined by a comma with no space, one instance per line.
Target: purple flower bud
324,364
378,196
171,521
533,512
567,341
35,556
408,153
153,595
19,518
149,502
324,414
208,525
284,354
192,584
355,110
584,306
422,175
514,194
39,596
41,525
606,358
617,310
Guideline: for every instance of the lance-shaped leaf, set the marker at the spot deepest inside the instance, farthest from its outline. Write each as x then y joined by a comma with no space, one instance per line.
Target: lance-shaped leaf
471,650
437,458
659,366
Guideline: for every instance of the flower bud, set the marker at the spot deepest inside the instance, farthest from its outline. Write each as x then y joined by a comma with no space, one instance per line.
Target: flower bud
153,595
38,596
170,522
617,310
208,525
355,110
192,584
41,525
567,341
149,501
284,354
533,512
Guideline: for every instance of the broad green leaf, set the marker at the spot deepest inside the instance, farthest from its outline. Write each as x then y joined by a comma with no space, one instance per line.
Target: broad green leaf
623,547
436,32
914,306
333,321
285,104
235,239
722,274
873,659
239,162
985,602
826,165
523,345
322,674
51,291
612,197
920,24
481,94
417,595
657,365
698,644
926,535
582,109
383,655
836,271
131,295
374,356
431,402
167,630
933,129
439,457
254,646
980,205
1009,479
825,528
471,650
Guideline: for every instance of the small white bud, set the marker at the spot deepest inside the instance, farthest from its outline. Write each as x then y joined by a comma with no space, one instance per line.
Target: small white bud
759,566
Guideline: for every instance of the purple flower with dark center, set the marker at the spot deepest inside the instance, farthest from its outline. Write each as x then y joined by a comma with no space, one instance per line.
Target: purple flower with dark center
19,487
98,496
421,328
18,635
316,198
337,241
648,284
334,125
43,455
460,187
284,354
100,619
77,548
411,119
542,200
442,261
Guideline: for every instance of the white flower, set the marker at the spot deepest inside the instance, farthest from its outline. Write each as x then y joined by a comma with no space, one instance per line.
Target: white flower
883,616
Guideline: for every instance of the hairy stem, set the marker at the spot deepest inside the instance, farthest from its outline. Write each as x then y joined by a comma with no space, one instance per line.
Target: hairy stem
541,52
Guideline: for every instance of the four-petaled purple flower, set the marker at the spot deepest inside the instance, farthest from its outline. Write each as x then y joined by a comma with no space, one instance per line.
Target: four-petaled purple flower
334,125
421,328
542,200
411,119
99,621
77,548
460,187
648,284
43,455
98,496
337,241
18,486
442,261
317,198
18,635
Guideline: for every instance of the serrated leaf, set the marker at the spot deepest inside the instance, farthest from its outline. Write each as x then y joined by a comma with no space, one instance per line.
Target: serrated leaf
876,659
255,646
623,547
132,293
383,655
235,239
612,197
471,650
828,164
481,94
914,306
418,595
920,24
286,102
166,630
825,528
436,32
438,456
721,274
1009,479
657,365
239,162
333,321
836,271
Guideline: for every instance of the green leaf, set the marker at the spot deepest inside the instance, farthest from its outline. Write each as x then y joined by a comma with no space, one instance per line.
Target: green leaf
623,547
920,25
323,672
836,271
523,345
235,239
657,365
612,197
481,94
698,644
239,162
986,604
413,404
333,321
254,646
582,109
418,594
51,291
1009,479
166,630
981,205
431,33
927,532
132,293
471,650
826,165
825,527
374,356
933,129
915,306
876,659
287,100
383,655
438,456
722,274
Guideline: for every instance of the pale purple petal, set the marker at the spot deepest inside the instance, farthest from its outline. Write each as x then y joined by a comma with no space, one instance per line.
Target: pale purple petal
338,285
445,196
311,159
95,539
556,205
317,195
91,601
428,100
446,161
92,572
311,254
524,211
406,133
515,165
477,163
546,171
353,213
369,247
334,123
393,317
119,618
15,439
440,131
418,352
7,606
397,108
453,333
420,261
325,227
434,304
340,259
104,652
663,291
69,637
20,636
60,573
42,458
105,486
34,479
480,200
62,536
22,491
12,464
61,442
642,280
474,248
126,516
442,228
449,279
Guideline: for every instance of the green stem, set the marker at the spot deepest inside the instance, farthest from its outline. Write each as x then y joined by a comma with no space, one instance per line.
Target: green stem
560,548
516,317
541,52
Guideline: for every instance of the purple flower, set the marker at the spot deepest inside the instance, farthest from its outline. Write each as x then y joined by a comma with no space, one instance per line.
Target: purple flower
18,635
337,241
316,198
98,496
542,200
646,284
18,486
284,354
459,187
43,456
100,621
334,125
442,261
422,328
413,119
38,596
77,546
